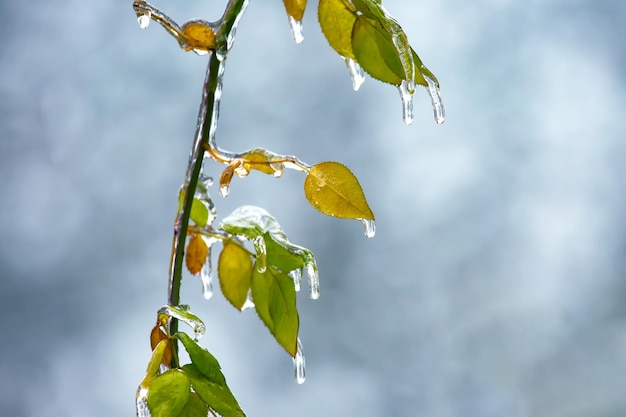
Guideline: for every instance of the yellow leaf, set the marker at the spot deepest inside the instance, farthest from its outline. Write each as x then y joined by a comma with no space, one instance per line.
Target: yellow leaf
157,335
234,270
295,8
196,254
333,190
336,18
198,35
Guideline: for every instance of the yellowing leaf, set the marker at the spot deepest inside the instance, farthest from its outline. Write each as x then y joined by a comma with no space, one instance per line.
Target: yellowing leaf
336,18
196,254
274,297
234,270
157,335
333,190
198,36
295,8
155,363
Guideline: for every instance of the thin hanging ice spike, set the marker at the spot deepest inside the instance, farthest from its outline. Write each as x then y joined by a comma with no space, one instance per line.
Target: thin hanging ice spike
435,97
313,280
406,94
182,313
299,364
296,275
261,253
369,228
296,29
141,402
248,304
144,20
206,276
357,74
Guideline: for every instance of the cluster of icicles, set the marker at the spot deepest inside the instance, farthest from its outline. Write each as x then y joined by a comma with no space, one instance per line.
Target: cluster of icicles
357,74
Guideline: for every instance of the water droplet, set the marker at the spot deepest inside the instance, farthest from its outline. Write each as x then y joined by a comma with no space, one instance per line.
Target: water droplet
259,248
144,20
179,312
435,97
206,276
141,402
406,94
296,29
313,280
356,73
299,364
242,170
224,190
296,275
248,304
369,228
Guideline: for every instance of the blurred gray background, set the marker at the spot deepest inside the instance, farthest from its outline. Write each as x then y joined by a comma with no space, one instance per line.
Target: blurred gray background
495,286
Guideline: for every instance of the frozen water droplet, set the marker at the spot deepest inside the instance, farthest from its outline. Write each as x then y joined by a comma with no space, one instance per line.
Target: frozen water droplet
299,364
242,171
369,227
296,275
296,29
406,94
206,180
259,248
224,190
356,73
248,304
144,20
206,276
141,402
435,97
313,280
200,52
196,324
278,168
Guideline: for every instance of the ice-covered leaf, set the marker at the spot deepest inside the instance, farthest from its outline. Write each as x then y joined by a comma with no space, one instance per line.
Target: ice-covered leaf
274,296
199,211
295,8
284,255
196,254
157,335
216,395
195,407
199,36
202,358
333,190
336,18
234,270
168,394
183,314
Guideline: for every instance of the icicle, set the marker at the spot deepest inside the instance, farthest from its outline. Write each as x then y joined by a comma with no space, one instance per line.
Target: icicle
435,97
313,280
196,324
144,20
296,275
224,190
406,94
259,247
356,73
206,276
248,304
369,228
296,29
299,364
141,402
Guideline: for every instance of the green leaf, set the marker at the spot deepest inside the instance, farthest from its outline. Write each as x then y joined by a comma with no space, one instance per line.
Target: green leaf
234,270
183,314
333,190
199,211
422,71
168,394
195,407
336,18
284,255
202,358
274,297
215,395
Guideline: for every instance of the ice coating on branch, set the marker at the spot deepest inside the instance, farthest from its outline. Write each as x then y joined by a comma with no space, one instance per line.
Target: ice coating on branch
299,364
261,252
144,20
357,74
406,94
182,313
313,280
369,228
296,275
296,29
141,402
435,97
